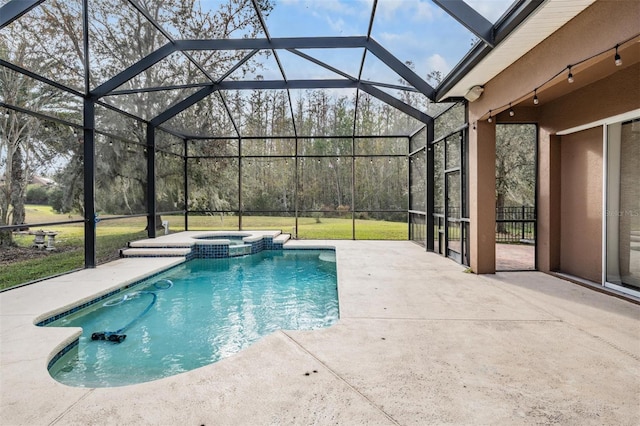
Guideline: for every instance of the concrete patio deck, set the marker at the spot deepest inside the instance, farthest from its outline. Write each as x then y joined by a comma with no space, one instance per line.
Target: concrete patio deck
418,342
515,257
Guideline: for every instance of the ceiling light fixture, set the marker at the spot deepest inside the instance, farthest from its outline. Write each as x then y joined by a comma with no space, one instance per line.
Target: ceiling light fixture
570,76
490,119
511,112
617,59
535,97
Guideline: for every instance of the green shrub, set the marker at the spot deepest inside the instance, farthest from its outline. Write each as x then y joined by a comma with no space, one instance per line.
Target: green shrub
37,194
55,200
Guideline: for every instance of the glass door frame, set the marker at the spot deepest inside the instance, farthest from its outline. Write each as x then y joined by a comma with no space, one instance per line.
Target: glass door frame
443,220
607,126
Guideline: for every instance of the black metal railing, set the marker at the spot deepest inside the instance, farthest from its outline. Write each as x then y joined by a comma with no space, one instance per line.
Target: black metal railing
513,224
516,224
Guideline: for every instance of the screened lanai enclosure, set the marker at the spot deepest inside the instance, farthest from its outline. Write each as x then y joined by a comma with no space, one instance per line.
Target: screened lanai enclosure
124,119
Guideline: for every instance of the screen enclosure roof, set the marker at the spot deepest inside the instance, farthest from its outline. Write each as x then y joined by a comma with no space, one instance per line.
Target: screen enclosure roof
158,60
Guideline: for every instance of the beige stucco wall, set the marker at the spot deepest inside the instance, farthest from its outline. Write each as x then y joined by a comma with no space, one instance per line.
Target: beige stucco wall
482,207
561,183
581,204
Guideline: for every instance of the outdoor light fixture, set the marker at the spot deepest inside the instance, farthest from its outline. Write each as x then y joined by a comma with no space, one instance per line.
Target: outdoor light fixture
617,59
474,93
570,79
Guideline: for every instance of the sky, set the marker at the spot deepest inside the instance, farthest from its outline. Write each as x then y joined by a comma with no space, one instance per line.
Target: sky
413,30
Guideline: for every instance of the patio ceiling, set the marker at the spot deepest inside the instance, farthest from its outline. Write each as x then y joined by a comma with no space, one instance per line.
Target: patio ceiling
484,62
347,48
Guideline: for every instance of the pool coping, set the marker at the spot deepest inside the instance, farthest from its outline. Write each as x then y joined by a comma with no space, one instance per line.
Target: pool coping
50,317
206,244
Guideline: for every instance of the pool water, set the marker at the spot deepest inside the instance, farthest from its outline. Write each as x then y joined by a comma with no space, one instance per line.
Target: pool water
215,308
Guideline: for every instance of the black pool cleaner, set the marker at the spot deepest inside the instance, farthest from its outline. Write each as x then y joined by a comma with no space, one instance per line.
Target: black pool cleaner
118,336
106,335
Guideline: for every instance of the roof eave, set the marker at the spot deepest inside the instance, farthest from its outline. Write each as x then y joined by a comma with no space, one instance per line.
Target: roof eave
506,25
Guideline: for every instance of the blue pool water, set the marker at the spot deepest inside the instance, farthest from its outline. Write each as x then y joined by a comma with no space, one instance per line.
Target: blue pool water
215,308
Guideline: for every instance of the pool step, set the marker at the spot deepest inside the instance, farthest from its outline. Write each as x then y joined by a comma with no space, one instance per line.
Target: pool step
155,252
281,239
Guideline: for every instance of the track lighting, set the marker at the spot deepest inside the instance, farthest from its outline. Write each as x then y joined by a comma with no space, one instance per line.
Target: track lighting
535,97
617,59
570,76
511,112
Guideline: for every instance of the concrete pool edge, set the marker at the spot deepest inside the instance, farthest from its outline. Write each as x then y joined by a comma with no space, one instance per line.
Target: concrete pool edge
386,289
107,279
28,348
306,313
206,244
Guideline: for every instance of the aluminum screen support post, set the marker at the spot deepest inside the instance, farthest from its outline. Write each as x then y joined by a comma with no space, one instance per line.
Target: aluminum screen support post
90,217
430,188
151,181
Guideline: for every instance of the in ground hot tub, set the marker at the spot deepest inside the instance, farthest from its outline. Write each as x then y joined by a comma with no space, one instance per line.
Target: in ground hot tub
236,242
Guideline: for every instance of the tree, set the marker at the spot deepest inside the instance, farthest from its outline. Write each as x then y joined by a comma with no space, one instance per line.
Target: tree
515,166
26,143
48,40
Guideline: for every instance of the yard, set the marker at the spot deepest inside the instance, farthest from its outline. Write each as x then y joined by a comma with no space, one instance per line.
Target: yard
24,263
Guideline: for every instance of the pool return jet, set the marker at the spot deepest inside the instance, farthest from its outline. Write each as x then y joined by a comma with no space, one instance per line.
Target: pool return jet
117,336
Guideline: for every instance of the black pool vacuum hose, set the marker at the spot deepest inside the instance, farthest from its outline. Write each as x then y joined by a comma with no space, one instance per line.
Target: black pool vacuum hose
117,336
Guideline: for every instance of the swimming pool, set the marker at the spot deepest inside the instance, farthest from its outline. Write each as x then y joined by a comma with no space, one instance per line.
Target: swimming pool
198,313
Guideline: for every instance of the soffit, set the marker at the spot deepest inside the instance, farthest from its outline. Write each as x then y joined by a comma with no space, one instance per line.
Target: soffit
543,22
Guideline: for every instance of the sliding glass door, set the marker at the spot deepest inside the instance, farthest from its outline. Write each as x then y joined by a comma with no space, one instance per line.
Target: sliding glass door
623,207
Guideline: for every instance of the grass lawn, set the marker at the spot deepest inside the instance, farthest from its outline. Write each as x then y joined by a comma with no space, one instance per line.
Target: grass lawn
24,264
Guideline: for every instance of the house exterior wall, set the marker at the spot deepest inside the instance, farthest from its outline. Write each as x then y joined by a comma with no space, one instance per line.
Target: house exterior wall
596,29
482,184
560,247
